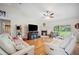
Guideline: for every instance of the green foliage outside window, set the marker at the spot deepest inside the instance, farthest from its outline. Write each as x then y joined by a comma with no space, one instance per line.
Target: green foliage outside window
62,30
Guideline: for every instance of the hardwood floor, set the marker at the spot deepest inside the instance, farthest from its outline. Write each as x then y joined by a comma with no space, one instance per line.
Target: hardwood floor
76,50
39,46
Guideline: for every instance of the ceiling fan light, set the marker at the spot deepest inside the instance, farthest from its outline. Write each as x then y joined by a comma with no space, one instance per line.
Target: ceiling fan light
48,14
51,16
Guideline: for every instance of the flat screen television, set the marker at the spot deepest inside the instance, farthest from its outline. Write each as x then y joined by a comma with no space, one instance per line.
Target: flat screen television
32,27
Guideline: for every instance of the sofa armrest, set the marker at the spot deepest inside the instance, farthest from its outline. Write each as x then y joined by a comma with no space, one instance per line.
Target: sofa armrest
28,50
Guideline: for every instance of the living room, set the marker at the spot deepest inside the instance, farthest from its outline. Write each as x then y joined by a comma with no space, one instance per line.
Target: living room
41,26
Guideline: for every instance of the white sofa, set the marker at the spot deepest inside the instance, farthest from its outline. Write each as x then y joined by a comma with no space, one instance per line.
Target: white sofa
61,47
8,47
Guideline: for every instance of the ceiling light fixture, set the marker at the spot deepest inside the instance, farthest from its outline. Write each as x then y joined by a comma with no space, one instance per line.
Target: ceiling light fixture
48,14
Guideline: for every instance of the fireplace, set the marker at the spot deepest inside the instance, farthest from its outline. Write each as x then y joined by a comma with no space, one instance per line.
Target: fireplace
44,32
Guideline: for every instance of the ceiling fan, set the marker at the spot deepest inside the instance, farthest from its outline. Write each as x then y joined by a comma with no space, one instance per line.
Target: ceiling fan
48,14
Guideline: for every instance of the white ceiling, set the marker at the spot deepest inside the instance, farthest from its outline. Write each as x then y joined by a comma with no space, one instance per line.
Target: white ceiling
35,10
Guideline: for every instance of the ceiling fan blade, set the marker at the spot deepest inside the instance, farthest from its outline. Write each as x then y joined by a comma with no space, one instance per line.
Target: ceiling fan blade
52,14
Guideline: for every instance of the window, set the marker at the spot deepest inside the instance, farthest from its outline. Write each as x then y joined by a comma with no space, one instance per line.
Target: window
62,30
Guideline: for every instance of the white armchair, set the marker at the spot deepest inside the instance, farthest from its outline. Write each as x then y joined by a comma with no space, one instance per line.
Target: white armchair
7,47
62,47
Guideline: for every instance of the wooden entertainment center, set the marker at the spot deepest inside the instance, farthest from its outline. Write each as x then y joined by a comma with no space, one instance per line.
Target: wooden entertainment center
32,35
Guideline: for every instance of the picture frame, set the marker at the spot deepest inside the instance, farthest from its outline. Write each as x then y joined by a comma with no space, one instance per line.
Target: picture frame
2,13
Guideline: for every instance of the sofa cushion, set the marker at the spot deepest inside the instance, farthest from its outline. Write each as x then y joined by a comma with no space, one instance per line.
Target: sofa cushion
2,52
71,45
6,44
66,41
58,51
19,43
